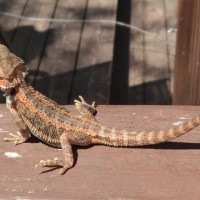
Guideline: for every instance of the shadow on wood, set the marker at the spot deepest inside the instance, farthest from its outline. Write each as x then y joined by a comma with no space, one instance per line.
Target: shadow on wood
155,92
65,63
91,82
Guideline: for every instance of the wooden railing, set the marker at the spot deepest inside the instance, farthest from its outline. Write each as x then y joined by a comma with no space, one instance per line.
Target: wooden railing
187,67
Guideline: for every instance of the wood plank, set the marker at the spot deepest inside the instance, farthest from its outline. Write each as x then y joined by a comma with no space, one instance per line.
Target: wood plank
25,39
167,171
136,69
155,69
37,40
149,77
30,37
24,29
171,8
93,71
186,83
9,25
59,57
119,76
4,39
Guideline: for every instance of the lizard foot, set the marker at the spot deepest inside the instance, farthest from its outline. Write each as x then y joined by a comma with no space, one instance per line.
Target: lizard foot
53,163
16,138
83,104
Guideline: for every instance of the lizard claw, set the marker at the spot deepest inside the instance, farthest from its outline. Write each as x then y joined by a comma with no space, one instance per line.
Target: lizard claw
16,138
63,170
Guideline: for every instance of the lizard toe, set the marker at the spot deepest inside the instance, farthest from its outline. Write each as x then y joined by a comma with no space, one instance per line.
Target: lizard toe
50,163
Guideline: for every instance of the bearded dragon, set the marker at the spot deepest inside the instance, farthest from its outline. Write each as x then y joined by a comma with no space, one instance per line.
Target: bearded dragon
53,124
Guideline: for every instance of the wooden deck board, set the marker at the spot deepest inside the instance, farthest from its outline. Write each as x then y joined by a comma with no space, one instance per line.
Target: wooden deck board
94,64
151,60
187,70
24,30
169,170
154,21
30,37
75,59
37,40
136,68
15,7
59,58
171,8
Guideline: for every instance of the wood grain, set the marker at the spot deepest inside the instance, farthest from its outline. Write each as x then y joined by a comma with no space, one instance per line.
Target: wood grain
151,59
59,58
66,60
187,70
95,56
169,170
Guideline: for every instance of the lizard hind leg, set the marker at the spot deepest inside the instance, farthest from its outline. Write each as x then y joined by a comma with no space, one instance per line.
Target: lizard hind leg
68,161
66,139
86,110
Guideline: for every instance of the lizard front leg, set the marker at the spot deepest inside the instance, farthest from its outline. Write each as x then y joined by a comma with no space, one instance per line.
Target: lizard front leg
86,110
22,135
18,138
66,140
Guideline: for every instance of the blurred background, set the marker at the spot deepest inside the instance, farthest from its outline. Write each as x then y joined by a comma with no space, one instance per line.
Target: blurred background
83,51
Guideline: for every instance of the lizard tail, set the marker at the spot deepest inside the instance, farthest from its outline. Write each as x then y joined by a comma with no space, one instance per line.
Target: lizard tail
116,137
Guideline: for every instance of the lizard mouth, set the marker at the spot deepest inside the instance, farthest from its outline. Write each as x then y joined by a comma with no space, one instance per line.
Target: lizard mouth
2,83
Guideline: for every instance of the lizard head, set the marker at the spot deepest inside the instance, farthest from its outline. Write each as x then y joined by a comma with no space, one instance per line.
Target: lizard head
12,69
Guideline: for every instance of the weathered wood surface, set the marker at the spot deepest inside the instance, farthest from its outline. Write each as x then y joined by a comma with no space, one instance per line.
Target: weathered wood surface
95,54
151,59
15,7
167,171
59,58
66,60
187,70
